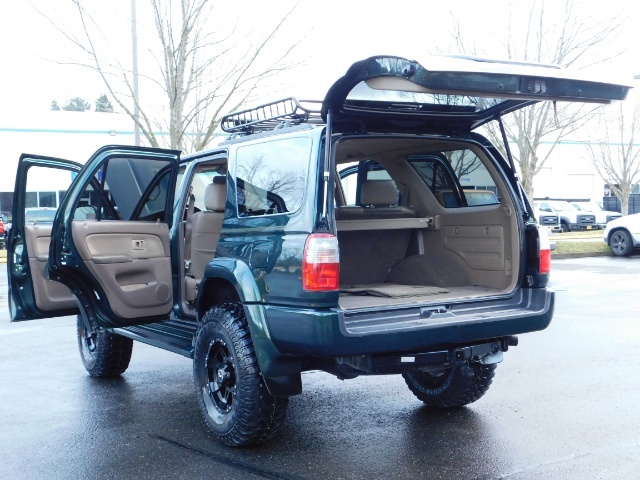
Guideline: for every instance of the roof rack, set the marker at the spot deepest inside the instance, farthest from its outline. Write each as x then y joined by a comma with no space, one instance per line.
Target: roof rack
270,116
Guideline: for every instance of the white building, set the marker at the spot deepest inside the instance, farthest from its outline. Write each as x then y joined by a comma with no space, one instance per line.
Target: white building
77,135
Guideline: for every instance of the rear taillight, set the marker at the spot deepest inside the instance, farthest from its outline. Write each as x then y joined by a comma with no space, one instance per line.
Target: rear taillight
321,263
545,251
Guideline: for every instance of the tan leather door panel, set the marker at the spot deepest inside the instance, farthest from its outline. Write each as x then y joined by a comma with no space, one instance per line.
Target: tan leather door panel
480,246
48,295
131,262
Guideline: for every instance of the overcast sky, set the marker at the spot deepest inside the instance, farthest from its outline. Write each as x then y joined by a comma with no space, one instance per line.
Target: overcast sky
336,33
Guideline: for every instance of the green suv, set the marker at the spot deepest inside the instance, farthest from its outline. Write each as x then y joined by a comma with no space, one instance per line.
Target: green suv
373,233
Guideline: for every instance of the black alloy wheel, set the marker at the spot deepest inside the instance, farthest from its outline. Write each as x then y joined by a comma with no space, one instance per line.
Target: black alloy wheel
232,395
221,376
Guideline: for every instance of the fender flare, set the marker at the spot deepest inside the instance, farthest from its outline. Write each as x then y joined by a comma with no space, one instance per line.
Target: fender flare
281,372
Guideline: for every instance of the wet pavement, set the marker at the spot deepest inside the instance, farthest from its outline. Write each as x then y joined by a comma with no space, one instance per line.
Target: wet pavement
563,405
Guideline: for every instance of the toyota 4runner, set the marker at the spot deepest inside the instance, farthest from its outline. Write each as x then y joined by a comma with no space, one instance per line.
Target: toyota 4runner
374,233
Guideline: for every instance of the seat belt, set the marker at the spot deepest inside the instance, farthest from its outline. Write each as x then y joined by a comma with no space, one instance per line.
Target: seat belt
187,232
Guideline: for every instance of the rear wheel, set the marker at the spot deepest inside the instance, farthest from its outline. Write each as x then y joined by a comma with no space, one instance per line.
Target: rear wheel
232,395
621,243
451,387
103,354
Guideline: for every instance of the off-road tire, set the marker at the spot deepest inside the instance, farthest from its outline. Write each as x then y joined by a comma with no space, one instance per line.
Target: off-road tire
621,243
452,387
103,354
231,392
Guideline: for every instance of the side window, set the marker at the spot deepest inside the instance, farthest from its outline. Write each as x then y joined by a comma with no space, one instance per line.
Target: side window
127,189
457,178
40,202
349,181
179,180
202,177
271,176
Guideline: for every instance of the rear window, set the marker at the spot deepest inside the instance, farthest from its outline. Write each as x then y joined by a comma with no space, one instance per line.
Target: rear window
457,178
39,215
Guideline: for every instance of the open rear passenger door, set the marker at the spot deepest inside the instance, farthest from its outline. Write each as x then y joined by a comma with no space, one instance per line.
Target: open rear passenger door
110,238
40,182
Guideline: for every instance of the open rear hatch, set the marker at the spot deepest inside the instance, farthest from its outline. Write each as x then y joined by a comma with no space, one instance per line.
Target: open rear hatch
449,95
433,251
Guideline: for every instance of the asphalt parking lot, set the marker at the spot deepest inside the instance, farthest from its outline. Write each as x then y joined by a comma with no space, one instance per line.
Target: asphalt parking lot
563,405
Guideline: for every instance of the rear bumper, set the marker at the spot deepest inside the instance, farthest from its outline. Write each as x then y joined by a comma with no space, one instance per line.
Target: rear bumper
336,332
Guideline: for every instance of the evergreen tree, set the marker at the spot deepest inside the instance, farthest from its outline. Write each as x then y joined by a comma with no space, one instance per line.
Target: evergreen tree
54,106
77,104
103,104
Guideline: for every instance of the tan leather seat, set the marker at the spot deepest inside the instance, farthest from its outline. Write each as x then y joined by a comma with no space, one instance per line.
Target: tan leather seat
206,228
378,200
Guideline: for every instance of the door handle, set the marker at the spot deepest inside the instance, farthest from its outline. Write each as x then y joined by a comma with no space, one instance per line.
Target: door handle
137,244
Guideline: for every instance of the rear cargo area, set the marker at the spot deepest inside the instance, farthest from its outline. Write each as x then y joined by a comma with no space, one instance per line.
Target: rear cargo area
402,243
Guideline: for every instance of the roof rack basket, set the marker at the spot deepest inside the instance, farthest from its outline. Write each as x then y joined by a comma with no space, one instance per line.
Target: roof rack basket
270,116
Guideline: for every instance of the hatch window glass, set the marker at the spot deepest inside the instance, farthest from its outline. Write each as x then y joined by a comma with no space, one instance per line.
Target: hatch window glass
418,101
271,177
457,178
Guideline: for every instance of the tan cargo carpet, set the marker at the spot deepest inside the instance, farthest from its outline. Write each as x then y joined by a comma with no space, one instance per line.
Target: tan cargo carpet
391,290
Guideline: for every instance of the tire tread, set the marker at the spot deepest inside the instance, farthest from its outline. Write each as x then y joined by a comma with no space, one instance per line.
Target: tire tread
467,384
112,354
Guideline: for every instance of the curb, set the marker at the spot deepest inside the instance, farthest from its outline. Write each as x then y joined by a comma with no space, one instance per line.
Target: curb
560,256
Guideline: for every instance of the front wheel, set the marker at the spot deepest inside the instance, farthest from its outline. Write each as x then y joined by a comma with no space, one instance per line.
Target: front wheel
451,387
232,395
621,243
103,354
565,227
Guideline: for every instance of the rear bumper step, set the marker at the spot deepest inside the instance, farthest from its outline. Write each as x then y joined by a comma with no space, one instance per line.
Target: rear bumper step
337,333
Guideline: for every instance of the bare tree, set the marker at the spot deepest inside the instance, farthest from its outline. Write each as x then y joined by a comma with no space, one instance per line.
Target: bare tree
614,150
202,72
561,33
464,162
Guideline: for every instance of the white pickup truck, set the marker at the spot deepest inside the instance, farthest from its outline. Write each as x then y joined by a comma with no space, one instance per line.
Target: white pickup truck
551,220
570,217
602,216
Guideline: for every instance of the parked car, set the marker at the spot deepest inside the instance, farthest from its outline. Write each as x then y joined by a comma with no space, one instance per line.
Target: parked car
377,234
2,232
570,217
602,216
623,234
6,218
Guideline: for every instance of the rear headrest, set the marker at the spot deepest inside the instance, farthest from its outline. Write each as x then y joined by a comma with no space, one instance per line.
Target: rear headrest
378,193
215,194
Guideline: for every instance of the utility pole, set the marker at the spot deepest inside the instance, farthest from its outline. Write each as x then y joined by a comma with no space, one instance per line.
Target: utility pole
134,46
